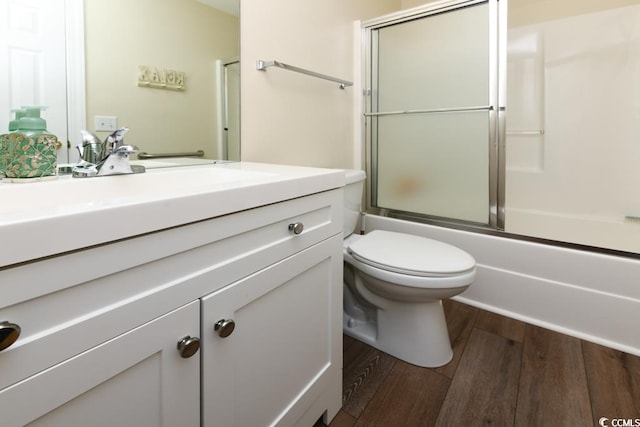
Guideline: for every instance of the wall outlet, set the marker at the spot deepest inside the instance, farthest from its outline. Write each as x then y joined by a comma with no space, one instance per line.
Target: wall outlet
105,123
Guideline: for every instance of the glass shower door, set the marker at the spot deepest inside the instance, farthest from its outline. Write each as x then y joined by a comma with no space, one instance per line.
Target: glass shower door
431,115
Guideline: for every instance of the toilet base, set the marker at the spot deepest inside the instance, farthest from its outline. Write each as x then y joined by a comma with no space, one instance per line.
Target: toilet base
413,332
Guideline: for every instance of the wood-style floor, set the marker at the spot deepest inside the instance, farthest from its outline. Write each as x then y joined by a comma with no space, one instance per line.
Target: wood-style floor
504,373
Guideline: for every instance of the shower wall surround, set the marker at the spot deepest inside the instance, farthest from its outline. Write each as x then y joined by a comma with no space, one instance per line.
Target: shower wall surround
573,129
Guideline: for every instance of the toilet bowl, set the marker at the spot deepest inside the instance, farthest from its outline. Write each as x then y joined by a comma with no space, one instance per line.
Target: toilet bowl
394,284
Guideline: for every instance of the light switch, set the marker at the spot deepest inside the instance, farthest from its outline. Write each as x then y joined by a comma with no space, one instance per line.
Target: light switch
105,123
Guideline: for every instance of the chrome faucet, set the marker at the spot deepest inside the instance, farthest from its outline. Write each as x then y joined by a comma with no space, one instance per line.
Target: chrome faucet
110,157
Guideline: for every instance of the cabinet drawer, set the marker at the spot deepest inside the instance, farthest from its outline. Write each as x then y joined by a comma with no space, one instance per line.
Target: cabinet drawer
73,302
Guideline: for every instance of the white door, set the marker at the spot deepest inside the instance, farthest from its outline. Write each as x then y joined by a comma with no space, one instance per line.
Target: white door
32,62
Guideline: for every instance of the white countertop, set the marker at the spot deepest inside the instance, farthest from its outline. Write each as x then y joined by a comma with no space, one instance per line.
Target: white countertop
40,219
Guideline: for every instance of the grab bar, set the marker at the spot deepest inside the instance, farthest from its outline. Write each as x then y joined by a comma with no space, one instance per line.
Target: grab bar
525,132
144,156
263,65
431,111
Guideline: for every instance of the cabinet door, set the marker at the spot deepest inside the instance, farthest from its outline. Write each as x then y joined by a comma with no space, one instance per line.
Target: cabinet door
136,379
285,354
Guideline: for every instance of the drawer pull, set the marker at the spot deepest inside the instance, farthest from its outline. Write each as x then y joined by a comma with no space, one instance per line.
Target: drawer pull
9,333
224,327
188,346
296,227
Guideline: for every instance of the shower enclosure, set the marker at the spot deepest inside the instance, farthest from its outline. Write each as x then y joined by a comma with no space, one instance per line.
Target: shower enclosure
508,117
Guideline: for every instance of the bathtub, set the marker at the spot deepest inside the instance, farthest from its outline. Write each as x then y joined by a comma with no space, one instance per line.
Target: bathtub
588,295
604,232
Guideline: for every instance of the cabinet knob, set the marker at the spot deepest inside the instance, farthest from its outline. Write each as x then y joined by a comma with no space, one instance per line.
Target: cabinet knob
296,227
9,333
188,346
224,327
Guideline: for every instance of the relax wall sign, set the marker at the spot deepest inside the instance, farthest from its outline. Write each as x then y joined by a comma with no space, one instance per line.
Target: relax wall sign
160,78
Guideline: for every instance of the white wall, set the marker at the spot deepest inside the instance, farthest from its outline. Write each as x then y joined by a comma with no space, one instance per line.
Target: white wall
291,118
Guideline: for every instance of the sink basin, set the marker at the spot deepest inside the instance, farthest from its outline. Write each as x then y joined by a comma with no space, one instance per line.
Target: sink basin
39,219
68,195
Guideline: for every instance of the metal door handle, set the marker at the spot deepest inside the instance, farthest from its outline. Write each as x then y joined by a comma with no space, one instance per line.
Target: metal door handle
9,333
224,327
188,346
296,227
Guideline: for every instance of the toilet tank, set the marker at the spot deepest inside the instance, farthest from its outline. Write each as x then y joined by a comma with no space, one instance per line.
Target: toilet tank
352,199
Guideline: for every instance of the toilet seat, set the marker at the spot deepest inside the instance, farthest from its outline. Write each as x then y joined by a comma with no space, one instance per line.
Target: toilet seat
410,255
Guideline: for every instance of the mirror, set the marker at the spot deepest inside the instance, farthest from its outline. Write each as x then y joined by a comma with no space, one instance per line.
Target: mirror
192,43
167,69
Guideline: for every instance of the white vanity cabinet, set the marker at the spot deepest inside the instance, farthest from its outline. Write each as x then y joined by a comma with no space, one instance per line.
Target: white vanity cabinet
101,325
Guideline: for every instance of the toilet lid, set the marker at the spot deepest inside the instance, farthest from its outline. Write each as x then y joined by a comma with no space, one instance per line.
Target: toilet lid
408,254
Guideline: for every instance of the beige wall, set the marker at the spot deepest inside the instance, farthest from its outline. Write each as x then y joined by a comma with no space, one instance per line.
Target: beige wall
291,118
408,4
526,12
181,35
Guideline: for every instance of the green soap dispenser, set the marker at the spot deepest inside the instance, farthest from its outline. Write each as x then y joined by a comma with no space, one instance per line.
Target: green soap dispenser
31,123
14,124
6,143
30,149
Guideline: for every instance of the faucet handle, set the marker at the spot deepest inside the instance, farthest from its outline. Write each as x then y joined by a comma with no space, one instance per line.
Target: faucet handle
126,149
115,139
91,150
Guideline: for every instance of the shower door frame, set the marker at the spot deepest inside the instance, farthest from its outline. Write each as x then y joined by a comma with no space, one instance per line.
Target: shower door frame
496,110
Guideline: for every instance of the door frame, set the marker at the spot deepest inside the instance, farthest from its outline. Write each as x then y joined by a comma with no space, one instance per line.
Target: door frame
76,87
223,105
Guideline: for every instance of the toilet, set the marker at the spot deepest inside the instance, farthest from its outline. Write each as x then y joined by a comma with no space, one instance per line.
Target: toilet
394,284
